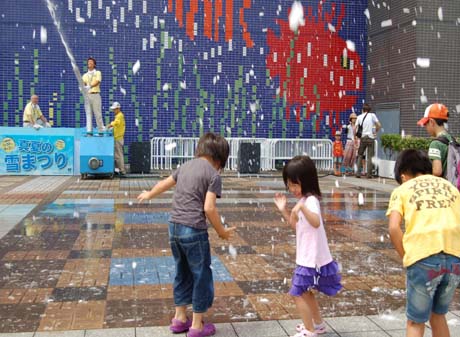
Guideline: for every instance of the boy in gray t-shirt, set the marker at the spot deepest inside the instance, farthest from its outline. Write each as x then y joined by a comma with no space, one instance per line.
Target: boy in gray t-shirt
198,185
193,180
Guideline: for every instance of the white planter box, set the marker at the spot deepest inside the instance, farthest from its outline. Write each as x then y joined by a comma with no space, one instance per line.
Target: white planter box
386,168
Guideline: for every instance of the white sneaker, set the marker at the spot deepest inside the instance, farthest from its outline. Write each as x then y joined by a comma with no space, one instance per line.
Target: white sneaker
305,333
319,328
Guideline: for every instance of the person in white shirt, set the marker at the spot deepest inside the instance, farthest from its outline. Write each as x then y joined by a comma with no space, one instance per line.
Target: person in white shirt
370,127
33,116
92,81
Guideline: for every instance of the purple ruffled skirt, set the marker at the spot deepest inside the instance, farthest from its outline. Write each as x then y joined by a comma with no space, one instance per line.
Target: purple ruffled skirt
325,279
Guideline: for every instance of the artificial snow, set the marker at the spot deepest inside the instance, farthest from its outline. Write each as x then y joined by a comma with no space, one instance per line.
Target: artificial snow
296,18
170,146
423,62
387,23
43,35
350,45
440,14
136,67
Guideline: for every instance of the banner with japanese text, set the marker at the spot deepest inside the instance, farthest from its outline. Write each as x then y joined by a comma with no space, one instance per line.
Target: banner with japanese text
36,154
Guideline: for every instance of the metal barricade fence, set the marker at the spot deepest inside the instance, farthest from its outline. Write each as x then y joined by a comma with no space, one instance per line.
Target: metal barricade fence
319,150
265,152
168,152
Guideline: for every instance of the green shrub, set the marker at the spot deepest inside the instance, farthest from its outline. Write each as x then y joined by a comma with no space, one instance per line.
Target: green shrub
391,144
418,143
394,143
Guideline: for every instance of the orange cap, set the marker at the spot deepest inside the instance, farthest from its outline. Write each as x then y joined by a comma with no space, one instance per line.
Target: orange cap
435,110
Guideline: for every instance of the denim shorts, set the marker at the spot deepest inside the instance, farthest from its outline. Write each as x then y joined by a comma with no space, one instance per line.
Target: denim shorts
431,284
193,283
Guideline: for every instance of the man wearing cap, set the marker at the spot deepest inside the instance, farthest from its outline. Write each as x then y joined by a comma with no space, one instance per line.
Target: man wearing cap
371,126
118,126
33,116
92,81
434,119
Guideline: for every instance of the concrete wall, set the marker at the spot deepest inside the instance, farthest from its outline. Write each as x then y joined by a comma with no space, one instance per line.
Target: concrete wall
416,32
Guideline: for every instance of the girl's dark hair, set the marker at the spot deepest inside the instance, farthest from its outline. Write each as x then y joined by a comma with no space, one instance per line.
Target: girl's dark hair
302,170
412,162
214,146
92,59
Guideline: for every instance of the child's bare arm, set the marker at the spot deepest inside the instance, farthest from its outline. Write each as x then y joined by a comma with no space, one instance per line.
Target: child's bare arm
159,188
396,234
210,209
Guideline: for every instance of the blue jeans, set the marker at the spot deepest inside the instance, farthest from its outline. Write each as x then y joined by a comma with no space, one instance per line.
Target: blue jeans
193,283
431,284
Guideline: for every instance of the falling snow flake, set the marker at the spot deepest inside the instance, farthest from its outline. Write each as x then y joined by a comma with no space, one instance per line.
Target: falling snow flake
367,14
170,146
296,17
387,23
43,35
351,45
360,199
423,62
136,67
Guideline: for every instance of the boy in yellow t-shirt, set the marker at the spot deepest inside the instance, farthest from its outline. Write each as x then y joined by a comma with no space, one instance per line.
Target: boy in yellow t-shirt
118,126
430,245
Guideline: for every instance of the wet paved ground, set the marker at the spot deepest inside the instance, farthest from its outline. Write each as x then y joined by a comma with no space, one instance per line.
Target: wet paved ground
84,255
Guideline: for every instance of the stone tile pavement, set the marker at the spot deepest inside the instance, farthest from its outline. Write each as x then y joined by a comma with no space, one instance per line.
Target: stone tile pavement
82,258
347,326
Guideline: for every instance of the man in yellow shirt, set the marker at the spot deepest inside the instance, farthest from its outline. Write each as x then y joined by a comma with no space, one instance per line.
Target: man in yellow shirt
92,80
33,116
118,126
430,245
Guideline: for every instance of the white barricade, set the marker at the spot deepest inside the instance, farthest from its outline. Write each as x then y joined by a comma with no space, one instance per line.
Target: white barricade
265,152
168,152
319,150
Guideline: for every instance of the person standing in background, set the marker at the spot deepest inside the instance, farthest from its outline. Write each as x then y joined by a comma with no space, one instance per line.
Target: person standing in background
434,121
370,127
338,153
351,146
33,116
92,81
118,126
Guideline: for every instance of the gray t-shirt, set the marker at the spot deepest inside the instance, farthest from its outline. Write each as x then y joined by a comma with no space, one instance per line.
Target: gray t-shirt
193,180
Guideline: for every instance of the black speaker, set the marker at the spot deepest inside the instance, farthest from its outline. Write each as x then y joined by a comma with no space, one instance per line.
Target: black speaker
139,157
249,158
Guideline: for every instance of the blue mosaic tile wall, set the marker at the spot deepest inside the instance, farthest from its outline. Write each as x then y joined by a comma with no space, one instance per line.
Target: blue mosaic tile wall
229,66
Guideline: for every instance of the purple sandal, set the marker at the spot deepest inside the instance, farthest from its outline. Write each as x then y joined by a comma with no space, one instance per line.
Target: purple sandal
177,326
209,329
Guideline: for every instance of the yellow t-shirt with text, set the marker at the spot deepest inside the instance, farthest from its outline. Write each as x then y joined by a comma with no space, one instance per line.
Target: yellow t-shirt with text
430,207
